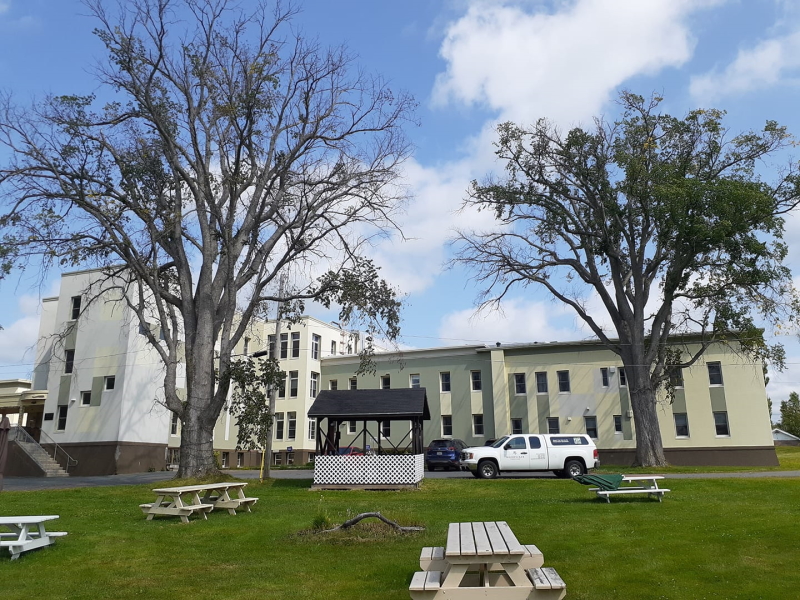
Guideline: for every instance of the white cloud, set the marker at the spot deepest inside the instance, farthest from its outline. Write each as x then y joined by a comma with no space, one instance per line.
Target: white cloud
4,7
18,340
768,63
519,321
563,64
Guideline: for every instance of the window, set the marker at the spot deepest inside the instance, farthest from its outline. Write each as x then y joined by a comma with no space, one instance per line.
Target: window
295,344
333,384
604,376
69,360
75,311
293,384
447,425
351,427
386,382
173,428
246,345
476,381
623,380
312,429
279,426
519,384
477,424
676,377
353,383
617,423
552,425
591,426
86,398
535,442
111,381
314,385
271,346
277,459
240,459
563,381
284,345
316,342
386,428
721,423
292,429
517,443
290,458
714,373
226,457
282,385
541,383
414,380
444,380
516,426
61,422
333,347
681,425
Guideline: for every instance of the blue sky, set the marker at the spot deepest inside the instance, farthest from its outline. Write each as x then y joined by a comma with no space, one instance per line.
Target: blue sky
471,64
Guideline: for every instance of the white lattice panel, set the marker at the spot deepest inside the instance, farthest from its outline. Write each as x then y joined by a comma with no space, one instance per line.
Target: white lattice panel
369,470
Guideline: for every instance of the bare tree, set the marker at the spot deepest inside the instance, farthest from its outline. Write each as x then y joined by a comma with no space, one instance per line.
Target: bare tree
227,151
664,220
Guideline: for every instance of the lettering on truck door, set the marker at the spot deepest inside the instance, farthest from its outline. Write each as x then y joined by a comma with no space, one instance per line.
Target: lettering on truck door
515,454
538,456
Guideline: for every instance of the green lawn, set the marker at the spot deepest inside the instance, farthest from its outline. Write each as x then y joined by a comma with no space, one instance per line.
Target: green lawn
730,538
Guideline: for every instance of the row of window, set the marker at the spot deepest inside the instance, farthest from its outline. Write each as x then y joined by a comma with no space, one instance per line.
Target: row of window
562,378
294,379
590,425
316,345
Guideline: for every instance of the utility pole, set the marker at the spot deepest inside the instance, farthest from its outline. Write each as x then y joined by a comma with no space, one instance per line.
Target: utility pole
266,456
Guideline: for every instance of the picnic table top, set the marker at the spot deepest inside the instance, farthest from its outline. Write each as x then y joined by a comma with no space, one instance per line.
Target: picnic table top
226,485
26,520
641,477
482,540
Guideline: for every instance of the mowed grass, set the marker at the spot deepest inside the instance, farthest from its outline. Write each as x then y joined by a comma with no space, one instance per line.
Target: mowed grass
724,538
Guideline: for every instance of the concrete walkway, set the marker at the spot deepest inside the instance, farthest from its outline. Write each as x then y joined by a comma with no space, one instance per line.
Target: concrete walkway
28,484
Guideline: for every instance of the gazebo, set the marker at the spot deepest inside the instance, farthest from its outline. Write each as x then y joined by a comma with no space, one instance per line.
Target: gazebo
384,465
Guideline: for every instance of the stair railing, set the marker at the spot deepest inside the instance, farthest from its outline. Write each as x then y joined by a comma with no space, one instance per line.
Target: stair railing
23,436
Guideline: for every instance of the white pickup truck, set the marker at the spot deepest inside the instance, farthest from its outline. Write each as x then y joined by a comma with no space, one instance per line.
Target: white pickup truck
565,455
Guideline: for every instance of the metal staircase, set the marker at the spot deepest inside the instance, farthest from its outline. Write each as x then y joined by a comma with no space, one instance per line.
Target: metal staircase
39,455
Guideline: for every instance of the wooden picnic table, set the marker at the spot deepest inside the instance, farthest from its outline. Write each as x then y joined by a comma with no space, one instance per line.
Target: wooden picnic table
183,501
27,533
484,559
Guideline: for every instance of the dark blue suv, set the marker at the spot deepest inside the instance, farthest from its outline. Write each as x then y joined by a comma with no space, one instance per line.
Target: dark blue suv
445,453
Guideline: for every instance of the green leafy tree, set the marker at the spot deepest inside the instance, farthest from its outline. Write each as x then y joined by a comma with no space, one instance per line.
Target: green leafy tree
232,153
253,381
790,414
663,219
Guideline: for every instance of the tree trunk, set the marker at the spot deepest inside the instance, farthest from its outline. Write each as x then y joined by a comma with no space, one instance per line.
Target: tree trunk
197,445
649,447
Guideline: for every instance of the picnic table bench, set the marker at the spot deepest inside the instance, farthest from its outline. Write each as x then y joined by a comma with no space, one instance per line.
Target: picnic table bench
481,560
27,533
183,501
647,484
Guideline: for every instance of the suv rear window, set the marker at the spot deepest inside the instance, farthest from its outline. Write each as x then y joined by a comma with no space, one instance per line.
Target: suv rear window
443,444
565,440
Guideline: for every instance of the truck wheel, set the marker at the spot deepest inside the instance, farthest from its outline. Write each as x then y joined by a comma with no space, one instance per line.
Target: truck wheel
573,468
487,470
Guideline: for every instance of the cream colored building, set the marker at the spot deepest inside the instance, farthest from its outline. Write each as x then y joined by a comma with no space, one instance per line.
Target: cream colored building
98,392
719,414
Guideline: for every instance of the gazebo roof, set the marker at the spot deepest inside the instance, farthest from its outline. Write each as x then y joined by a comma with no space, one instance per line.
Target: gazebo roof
391,405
